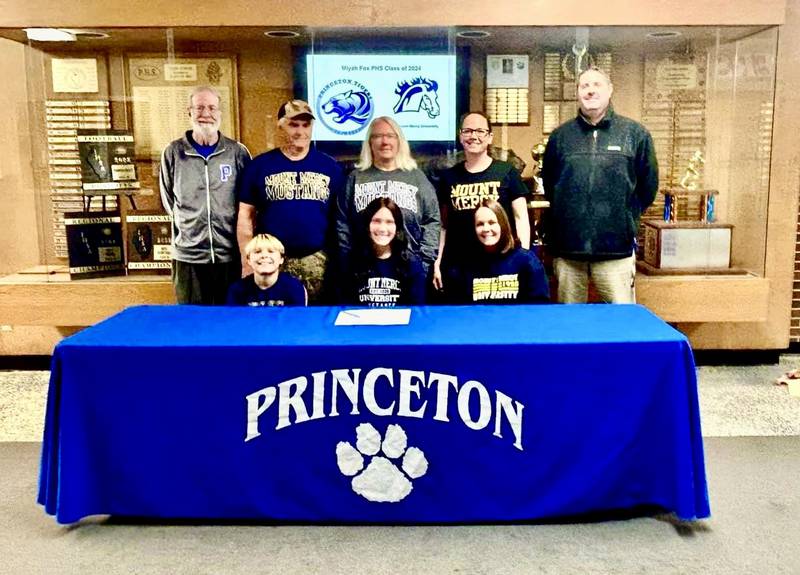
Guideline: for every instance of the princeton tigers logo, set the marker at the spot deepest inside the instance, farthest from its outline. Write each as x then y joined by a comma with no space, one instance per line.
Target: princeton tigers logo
345,106
350,105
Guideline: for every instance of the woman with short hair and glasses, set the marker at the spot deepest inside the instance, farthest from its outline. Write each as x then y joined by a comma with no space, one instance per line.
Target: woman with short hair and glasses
387,170
463,187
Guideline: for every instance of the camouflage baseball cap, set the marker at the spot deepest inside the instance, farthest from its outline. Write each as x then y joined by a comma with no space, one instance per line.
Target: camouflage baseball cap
295,109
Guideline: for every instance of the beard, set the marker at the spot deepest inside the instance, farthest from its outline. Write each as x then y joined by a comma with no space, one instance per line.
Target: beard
208,131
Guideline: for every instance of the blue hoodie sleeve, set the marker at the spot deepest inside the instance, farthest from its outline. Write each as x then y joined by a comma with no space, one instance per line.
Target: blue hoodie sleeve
536,288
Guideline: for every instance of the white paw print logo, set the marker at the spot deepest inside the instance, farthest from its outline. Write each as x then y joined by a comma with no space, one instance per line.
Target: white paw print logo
382,480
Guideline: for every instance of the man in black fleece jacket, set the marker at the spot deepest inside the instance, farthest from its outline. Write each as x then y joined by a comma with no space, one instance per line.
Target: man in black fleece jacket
600,173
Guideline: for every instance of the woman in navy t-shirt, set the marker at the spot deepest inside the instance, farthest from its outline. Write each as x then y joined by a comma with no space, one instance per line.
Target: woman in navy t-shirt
267,286
385,272
499,272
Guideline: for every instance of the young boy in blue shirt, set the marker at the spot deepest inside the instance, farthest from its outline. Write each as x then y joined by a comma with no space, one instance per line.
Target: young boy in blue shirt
267,286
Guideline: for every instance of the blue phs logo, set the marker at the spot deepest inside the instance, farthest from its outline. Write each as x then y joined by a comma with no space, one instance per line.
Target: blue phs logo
348,110
225,172
418,94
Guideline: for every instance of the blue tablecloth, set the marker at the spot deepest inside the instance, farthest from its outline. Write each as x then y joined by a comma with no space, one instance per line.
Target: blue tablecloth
489,413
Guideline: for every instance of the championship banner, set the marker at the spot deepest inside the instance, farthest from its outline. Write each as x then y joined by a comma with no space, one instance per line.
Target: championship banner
94,244
107,162
149,236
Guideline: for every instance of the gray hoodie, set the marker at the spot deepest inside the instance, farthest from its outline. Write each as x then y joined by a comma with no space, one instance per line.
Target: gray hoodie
410,190
199,194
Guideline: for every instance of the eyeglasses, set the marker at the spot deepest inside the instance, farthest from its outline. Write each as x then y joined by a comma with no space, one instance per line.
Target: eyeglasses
201,109
480,132
387,135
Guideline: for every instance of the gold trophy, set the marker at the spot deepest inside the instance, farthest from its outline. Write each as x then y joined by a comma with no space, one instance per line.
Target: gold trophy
692,175
688,188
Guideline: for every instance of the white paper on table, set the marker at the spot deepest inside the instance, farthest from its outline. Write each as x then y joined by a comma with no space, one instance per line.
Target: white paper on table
376,316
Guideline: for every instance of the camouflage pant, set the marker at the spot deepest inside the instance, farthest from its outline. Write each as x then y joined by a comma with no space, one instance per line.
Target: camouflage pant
311,271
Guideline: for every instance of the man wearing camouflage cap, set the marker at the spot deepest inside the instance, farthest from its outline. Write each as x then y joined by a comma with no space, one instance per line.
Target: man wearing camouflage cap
286,192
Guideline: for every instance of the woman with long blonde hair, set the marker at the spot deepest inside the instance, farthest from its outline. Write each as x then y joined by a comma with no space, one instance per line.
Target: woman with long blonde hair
386,170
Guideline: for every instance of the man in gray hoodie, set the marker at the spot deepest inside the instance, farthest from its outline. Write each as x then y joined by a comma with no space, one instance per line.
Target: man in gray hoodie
198,190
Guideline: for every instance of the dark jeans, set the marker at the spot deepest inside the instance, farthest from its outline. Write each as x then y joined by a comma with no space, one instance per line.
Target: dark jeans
204,284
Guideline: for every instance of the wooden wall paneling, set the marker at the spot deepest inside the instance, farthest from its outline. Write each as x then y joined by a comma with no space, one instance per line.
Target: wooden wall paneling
26,302
135,13
695,299
34,66
265,82
32,339
576,12
19,237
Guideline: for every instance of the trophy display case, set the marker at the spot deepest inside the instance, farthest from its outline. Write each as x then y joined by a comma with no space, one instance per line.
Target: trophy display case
90,114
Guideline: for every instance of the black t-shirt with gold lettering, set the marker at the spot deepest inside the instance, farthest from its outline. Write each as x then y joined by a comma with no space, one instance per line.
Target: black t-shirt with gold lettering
461,191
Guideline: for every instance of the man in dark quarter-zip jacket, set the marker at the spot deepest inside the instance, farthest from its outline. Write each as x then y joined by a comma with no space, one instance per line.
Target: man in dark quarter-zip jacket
198,190
600,173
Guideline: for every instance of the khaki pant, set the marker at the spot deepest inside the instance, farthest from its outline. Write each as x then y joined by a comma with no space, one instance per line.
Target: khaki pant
311,271
613,280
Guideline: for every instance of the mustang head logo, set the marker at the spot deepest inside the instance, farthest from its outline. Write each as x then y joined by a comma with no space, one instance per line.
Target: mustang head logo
418,94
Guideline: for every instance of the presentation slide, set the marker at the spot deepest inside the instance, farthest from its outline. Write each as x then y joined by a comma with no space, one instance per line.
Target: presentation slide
347,91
